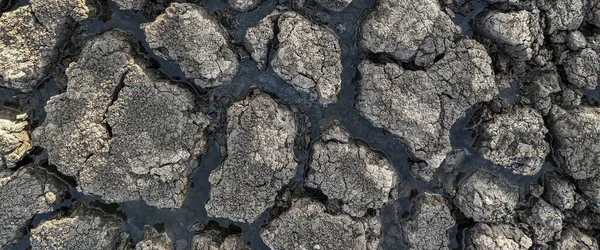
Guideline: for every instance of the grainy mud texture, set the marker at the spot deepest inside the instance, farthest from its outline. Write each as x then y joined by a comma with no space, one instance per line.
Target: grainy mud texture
515,140
572,238
29,191
80,228
119,131
408,30
545,221
423,113
484,197
308,57
517,33
306,225
153,240
577,140
190,36
433,209
131,4
260,159
213,240
348,171
14,138
244,5
496,236
559,192
31,37
294,124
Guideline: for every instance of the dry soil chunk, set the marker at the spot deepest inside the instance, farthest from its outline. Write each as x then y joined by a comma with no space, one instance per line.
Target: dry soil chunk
30,39
484,197
582,68
308,57
306,225
591,191
258,39
572,238
212,240
559,192
514,140
260,159
191,37
29,191
131,4
349,171
496,237
518,33
244,5
577,140
429,223
123,134
407,30
562,14
153,240
14,139
83,228
545,221
423,113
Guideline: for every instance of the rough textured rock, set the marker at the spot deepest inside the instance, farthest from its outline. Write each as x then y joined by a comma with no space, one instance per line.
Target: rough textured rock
244,5
211,240
423,113
576,40
153,240
518,33
544,220
82,228
515,140
593,13
31,37
562,14
496,237
308,57
258,39
484,197
260,159
191,37
349,171
582,68
407,30
429,223
122,133
334,5
559,192
545,83
577,140
306,225
14,139
29,191
131,4
590,189
572,238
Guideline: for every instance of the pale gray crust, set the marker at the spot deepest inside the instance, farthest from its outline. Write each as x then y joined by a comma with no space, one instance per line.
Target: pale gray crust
349,171
484,197
191,37
260,159
122,133
429,223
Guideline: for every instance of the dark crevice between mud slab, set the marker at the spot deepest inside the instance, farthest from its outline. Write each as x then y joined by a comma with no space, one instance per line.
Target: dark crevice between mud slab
178,222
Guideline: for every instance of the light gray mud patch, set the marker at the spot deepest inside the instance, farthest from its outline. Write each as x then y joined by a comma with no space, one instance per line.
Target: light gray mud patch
136,214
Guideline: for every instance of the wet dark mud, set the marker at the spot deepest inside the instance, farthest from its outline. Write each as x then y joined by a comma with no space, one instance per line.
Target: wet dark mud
178,222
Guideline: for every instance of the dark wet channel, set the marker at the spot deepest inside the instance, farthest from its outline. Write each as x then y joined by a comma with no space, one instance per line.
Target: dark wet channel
177,222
